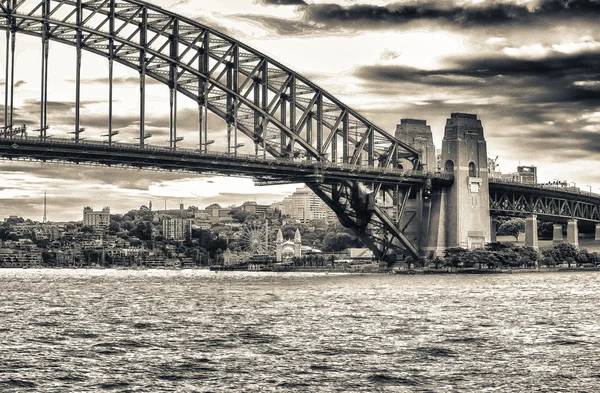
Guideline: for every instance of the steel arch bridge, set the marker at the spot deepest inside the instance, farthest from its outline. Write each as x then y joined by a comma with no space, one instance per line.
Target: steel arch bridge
286,116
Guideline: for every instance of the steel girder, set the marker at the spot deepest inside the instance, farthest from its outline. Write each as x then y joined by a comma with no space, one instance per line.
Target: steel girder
283,113
555,205
252,92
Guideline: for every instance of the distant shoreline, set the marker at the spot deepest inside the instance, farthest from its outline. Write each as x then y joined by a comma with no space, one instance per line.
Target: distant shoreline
497,271
427,272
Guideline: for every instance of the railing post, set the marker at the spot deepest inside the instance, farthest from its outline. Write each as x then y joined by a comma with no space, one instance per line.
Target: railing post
371,149
173,86
143,43
236,79
257,130
111,59
202,95
320,125
6,75
78,72
345,136
44,81
283,119
292,113
13,40
265,103
309,132
229,106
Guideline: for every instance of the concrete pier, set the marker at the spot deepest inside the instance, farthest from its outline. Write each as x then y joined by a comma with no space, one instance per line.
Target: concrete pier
493,229
557,234
597,238
531,233
573,233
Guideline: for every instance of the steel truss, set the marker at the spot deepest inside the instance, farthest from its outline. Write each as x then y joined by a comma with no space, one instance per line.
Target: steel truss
283,113
522,201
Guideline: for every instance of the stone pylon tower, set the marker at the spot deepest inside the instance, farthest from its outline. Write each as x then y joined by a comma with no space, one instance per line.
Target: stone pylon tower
466,203
417,134
297,244
279,246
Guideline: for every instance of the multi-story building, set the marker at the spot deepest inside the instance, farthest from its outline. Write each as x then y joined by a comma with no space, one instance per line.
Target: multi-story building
96,219
177,228
304,205
527,174
524,174
254,208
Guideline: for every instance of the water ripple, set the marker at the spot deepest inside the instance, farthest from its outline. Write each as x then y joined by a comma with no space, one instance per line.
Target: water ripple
197,331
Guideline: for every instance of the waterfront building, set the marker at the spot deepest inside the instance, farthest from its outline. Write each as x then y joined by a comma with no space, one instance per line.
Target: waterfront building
177,228
96,219
20,258
288,249
234,258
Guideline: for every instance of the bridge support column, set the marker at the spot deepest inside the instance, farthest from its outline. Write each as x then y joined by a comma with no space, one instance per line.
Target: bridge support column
531,233
597,238
493,228
464,155
557,234
573,233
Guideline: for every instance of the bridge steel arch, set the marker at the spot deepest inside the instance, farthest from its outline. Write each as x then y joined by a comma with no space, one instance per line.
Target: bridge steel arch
283,113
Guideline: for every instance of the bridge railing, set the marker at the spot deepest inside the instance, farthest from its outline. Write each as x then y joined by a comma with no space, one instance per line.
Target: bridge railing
244,157
553,187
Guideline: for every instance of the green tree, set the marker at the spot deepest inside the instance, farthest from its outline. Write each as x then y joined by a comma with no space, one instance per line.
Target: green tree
438,261
239,214
127,225
142,230
114,227
512,228
561,251
545,229
339,241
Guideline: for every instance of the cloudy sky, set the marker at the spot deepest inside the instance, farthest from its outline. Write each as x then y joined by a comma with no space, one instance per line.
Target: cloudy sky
529,69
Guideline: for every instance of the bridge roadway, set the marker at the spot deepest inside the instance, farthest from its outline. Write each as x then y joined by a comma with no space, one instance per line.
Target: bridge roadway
556,204
265,169
549,203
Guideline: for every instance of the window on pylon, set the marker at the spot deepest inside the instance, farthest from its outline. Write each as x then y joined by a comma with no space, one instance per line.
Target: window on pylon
449,167
472,170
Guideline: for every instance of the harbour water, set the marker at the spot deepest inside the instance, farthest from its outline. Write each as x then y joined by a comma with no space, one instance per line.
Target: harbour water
200,331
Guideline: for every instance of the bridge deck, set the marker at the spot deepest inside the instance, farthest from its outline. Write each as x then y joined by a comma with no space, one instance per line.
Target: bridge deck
187,160
557,204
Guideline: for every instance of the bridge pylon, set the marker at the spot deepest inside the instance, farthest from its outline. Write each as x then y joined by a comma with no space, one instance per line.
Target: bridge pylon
459,215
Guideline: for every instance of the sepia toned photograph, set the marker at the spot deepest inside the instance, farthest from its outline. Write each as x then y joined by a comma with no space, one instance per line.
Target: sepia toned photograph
299,196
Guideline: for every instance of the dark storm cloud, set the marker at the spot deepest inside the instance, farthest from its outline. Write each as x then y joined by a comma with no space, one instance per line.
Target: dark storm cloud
561,142
282,2
545,80
20,83
367,16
